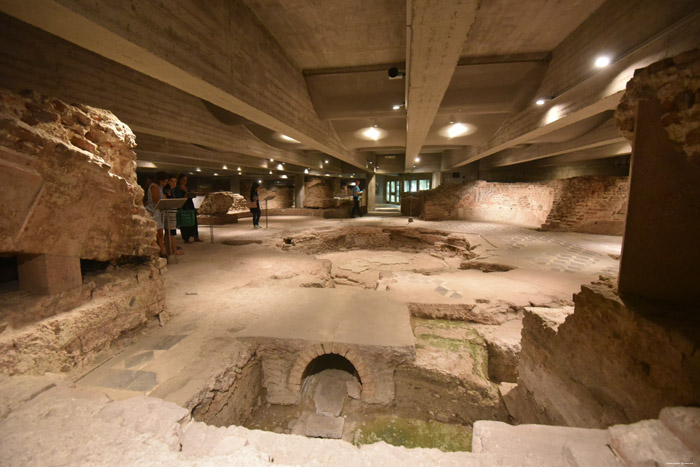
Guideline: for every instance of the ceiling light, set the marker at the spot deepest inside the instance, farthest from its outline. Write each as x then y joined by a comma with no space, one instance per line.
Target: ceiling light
215,174
327,175
417,159
288,139
197,169
191,173
602,61
284,176
270,172
540,101
326,161
372,133
396,107
306,171
224,167
239,169
279,167
272,160
457,129
259,181
145,165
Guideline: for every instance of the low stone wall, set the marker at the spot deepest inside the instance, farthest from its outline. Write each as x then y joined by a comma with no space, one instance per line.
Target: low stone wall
579,204
595,205
283,195
526,204
606,363
319,192
55,333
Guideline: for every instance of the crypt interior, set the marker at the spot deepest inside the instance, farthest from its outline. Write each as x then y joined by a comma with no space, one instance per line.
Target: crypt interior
478,242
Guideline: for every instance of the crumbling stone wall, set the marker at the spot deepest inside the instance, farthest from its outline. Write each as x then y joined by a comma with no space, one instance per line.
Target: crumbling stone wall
69,182
675,82
596,205
520,203
607,363
320,191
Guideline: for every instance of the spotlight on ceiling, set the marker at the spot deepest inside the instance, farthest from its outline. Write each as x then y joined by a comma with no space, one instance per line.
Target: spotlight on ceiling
417,159
197,169
540,101
395,73
279,167
287,139
396,106
371,133
239,169
216,174
259,181
306,171
270,172
602,61
326,161
272,160
457,129
224,167
284,176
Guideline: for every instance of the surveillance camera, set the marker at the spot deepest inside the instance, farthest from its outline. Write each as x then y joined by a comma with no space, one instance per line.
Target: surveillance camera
395,73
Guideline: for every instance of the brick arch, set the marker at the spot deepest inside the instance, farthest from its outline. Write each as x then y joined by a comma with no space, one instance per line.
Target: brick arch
311,352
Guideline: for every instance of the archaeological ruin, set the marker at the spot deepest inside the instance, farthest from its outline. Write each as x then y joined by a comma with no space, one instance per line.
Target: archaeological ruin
343,233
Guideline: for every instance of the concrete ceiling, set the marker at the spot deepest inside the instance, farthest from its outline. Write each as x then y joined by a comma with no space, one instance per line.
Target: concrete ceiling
235,76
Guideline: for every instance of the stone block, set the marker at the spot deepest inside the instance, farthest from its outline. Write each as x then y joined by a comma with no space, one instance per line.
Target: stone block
324,426
649,443
48,274
684,422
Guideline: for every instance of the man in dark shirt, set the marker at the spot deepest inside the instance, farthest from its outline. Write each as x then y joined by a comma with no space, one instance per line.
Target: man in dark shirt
356,197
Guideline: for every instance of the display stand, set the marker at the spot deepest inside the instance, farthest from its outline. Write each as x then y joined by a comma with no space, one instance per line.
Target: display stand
266,199
165,205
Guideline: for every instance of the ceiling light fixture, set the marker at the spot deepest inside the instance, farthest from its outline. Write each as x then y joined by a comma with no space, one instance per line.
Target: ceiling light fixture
224,167
259,181
216,174
396,107
306,171
280,167
270,172
272,160
540,101
239,169
455,129
417,159
288,139
197,169
326,161
284,176
602,61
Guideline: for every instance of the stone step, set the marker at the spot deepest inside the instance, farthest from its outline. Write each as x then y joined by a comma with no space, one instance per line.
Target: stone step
649,443
385,213
684,422
541,445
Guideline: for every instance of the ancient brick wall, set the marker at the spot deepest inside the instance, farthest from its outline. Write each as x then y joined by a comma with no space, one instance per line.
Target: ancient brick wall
605,364
320,191
519,203
69,182
595,205
284,195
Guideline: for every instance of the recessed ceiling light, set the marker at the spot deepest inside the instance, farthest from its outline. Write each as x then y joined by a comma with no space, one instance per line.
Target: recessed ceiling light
306,171
372,133
270,172
279,167
288,139
239,169
224,167
259,181
215,174
191,173
602,61
272,160
326,161
540,101
197,169
457,129
327,175
284,176
417,159
396,107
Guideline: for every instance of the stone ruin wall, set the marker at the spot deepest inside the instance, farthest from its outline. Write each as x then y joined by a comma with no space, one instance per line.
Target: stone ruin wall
612,361
69,182
70,194
319,192
520,203
605,364
596,205
284,195
591,204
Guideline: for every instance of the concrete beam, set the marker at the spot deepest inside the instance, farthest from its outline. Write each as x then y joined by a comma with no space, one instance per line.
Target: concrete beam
596,93
604,135
33,59
436,32
217,51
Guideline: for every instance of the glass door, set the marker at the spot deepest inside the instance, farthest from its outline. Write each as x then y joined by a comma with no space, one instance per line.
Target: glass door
393,192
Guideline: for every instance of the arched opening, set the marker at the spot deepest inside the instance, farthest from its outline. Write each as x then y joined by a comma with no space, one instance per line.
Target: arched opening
330,361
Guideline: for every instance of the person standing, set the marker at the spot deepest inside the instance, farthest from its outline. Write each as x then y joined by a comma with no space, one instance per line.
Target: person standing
189,233
255,205
169,192
356,198
153,195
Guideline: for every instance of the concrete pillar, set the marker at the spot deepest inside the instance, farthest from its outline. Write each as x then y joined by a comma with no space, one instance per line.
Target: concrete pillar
236,184
660,248
299,190
436,180
48,274
371,191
